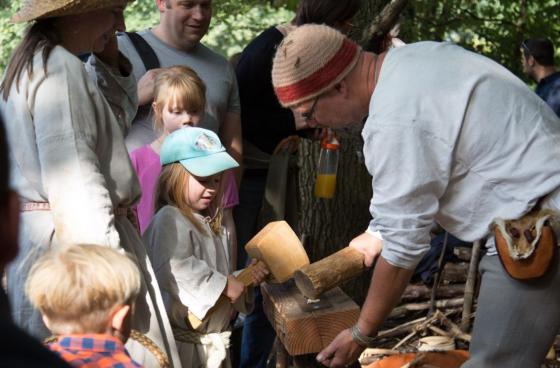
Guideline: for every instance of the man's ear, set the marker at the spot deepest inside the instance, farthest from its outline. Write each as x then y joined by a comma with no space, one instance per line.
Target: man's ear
161,5
119,317
531,61
47,322
9,228
342,88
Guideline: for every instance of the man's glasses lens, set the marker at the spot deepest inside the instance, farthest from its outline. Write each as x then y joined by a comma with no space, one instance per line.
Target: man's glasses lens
308,116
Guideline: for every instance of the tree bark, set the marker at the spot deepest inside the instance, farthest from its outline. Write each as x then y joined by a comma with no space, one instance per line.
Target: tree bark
382,24
330,224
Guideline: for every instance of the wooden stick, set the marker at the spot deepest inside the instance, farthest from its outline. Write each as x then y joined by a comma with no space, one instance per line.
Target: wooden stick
401,329
422,292
403,341
455,330
438,273
401,310
470,287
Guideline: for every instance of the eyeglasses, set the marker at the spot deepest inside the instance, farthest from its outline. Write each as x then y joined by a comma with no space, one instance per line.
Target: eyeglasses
308,115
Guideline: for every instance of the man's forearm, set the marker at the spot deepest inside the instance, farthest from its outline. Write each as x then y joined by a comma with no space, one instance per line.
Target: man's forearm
385,290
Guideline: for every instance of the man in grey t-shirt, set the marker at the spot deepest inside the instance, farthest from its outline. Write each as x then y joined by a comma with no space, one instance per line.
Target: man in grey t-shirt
176,41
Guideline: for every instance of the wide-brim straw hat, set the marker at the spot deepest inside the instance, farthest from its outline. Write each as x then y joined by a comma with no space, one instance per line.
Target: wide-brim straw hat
40,9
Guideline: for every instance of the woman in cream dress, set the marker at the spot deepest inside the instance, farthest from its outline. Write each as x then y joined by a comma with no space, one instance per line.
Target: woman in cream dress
65,123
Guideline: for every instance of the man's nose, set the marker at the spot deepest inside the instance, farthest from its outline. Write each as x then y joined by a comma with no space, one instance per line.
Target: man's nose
187,119
198,13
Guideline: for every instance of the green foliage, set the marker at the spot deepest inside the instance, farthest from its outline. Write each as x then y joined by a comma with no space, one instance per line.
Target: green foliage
234,22
141,14
494,28
232,31
10,34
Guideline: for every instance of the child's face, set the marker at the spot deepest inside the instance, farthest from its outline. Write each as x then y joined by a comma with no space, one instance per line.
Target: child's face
175,117
201,191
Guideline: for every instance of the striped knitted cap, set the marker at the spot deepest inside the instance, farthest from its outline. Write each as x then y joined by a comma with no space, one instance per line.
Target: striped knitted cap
311,60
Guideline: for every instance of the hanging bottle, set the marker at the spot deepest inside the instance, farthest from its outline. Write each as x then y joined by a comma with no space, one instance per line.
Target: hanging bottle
325,185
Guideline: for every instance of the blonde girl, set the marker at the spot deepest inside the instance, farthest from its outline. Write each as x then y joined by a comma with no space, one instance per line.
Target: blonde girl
178,103
188,246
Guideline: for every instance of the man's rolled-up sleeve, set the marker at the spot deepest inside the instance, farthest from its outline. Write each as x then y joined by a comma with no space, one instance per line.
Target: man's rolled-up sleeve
410,168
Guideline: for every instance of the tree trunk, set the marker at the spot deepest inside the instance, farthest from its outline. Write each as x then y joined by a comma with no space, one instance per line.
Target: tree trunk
330,224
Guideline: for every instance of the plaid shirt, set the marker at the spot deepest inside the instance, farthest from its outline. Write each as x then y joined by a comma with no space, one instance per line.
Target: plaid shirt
93,351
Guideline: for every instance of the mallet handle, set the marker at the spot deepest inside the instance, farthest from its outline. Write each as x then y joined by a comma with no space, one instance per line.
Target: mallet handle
244,276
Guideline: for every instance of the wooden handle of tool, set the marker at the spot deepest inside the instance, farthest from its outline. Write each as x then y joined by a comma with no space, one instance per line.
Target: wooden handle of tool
316,278
244,276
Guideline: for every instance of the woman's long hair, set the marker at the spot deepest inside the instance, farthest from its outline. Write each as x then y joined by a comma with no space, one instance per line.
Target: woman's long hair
40,34
172,184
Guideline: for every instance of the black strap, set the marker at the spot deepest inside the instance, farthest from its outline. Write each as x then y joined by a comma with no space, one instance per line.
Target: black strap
147,54
150,60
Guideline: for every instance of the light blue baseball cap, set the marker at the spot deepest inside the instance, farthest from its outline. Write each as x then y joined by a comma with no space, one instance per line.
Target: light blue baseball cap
198,150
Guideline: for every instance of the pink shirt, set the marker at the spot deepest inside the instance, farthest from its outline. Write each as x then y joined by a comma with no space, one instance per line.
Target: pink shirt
148,167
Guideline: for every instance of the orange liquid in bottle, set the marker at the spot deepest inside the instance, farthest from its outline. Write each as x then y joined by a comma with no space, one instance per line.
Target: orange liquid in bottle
325,186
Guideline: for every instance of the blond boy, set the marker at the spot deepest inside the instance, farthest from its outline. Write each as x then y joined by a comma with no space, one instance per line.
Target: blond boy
85,294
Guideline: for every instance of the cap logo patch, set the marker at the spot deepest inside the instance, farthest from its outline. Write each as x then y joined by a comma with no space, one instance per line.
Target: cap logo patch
206,143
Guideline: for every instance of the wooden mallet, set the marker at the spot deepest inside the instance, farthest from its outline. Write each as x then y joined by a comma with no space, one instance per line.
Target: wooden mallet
276,247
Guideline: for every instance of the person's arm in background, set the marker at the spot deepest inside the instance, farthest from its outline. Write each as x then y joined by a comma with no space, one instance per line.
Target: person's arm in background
230,133
146,86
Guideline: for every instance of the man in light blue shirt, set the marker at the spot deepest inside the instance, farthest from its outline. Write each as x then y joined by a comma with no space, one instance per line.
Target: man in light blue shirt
451,137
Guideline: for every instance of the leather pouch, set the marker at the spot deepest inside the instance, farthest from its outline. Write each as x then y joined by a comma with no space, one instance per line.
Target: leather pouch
527,246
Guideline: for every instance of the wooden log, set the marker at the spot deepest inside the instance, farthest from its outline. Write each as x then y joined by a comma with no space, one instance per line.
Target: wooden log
305,328
314,279
415,292
455,272
401,310
463,253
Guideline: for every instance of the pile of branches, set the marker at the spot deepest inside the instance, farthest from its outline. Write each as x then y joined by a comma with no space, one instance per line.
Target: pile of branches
444,309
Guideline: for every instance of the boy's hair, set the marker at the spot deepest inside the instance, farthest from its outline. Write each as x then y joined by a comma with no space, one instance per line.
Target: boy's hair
541,49
77,288
172,185
182,86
